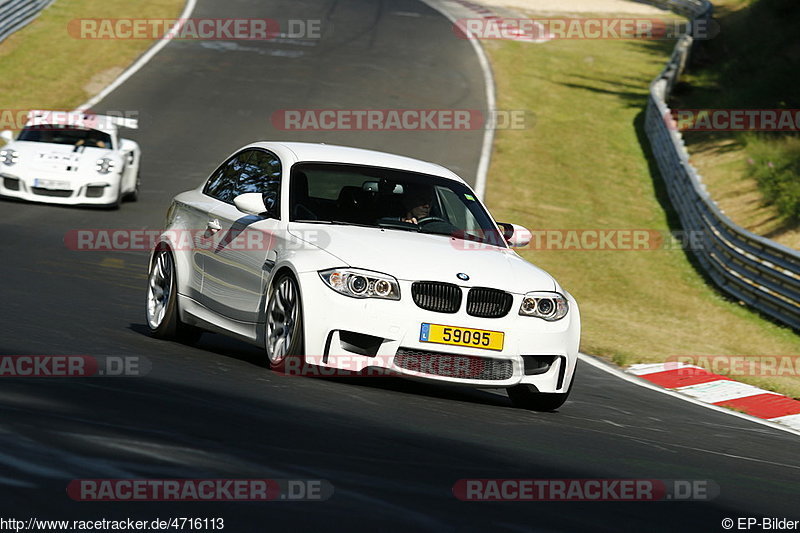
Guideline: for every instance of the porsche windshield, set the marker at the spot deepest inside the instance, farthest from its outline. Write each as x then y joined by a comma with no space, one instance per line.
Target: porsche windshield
388,198
60,134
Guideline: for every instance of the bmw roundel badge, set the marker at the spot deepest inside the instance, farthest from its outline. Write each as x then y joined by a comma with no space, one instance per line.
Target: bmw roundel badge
462,276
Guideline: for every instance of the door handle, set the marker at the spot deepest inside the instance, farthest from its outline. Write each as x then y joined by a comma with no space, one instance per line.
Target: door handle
214,225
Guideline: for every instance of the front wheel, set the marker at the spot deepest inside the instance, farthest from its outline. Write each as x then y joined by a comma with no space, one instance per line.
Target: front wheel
527,397
163,318
133,196
284,329
116,203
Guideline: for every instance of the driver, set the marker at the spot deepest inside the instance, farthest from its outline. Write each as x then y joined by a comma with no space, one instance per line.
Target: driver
418,205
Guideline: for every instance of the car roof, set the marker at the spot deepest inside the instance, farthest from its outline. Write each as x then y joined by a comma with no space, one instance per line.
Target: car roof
324,153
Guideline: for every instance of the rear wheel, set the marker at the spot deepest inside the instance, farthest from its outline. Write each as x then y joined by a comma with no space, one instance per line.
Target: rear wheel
284,329
163,317
527,397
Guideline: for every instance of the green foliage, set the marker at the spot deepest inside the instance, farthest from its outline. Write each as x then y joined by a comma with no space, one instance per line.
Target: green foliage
775,165
753,63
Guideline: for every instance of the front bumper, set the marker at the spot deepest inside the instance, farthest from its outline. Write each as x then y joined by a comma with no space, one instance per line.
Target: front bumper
78,190
361,334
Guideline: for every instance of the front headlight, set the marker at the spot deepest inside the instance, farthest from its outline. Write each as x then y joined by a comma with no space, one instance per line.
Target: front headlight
9,157
550,306
104,165
361,283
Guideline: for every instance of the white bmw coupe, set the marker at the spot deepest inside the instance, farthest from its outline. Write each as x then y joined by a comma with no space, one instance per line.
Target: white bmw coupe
335,258
70,158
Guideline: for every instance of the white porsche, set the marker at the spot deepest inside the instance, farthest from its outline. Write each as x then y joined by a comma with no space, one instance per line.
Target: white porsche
70,158
336,258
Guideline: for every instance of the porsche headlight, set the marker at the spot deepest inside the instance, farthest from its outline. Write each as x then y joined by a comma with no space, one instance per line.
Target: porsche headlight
9,157
361,283
550,306
104,165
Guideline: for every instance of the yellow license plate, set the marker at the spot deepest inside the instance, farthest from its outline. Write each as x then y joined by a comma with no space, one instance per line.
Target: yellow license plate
475,338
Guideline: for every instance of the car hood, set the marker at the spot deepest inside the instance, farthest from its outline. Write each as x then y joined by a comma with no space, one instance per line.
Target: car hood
58,157
415,256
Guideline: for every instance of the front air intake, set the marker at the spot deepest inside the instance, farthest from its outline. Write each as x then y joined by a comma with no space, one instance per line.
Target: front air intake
454,366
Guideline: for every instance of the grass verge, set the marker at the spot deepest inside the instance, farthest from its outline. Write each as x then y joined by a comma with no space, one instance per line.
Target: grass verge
43,67
751,64
585,164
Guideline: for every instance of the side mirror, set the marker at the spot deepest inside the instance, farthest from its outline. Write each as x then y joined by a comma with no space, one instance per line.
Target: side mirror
515,235
7,135
251,203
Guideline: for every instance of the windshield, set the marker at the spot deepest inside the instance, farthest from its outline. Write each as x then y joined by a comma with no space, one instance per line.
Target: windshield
388,198
61,134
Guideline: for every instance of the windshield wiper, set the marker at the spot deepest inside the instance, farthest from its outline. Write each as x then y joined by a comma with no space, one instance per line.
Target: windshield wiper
343,223
402,226
337,222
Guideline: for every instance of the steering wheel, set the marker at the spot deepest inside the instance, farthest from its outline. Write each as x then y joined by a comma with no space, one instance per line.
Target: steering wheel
428,220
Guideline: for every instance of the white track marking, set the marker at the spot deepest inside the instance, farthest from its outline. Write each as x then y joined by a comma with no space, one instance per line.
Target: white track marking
652,368
721,390
141,62
606,367
793,421
488,78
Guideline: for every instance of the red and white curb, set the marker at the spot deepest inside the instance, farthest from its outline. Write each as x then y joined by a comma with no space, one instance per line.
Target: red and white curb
707,387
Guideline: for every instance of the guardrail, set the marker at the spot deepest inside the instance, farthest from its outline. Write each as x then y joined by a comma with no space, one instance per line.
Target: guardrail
762,273
14,14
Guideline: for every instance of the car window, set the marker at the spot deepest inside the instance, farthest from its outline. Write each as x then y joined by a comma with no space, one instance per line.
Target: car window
262,173
390,199
335,181
223,184
60,134
460,212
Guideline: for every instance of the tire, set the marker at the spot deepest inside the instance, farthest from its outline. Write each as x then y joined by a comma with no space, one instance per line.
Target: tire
133,196
527,397
283,337
116,203
161,306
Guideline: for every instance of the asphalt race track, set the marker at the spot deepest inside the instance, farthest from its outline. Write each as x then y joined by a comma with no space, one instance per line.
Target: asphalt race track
392,449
